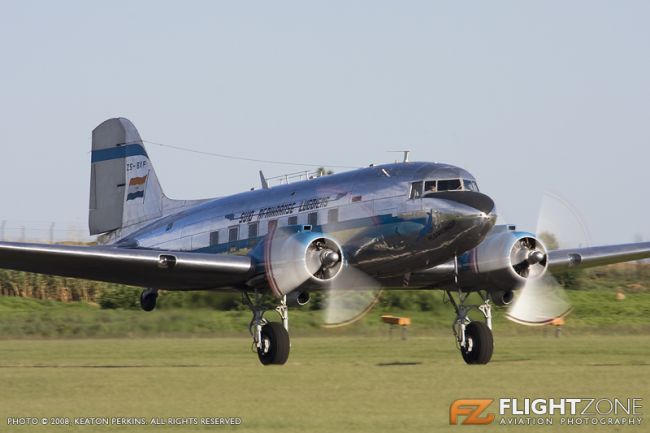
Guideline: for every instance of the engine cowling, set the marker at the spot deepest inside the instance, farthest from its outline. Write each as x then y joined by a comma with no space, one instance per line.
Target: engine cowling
301,260
503,262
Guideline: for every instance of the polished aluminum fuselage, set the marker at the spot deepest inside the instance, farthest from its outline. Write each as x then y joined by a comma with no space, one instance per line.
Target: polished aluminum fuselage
368,211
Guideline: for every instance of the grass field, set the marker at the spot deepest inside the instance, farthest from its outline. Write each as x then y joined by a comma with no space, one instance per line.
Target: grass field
595,310
330,384
77,360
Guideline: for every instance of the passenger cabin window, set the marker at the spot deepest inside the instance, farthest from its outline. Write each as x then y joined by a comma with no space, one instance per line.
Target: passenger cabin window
233,234
416,190
333,216
214,238
252,230
293,220
312,219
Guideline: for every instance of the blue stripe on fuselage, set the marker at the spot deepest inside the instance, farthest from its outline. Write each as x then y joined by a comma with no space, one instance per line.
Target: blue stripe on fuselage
378,222
117,152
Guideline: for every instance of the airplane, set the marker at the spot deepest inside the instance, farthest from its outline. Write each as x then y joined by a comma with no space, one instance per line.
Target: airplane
406,225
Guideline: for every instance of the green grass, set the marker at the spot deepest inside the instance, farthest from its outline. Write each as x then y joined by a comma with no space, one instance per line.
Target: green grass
63,360
595,310
350,383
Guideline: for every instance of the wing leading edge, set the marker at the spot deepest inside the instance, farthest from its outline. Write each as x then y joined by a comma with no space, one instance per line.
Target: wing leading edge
138,267
597,256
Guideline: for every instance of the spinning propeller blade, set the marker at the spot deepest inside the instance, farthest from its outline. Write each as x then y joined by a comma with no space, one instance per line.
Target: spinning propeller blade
542,299
349,297
539,302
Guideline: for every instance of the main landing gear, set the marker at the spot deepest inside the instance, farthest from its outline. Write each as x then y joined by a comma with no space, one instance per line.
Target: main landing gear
473,338
270,339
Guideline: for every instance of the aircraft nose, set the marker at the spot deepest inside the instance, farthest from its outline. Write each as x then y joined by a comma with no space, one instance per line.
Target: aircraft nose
460,219
476,200
469,209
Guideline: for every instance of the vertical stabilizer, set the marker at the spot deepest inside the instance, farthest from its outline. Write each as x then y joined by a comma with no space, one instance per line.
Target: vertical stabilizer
124,189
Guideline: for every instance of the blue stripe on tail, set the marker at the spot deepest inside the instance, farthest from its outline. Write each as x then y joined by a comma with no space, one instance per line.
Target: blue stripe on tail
117,152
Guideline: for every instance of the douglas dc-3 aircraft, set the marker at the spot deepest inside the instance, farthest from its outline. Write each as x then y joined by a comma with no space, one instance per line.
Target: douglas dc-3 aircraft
413,225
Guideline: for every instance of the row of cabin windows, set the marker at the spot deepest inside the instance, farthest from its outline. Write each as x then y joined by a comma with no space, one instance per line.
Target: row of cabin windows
253,228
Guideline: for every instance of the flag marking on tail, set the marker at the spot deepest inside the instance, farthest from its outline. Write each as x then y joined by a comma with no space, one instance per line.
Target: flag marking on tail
137,185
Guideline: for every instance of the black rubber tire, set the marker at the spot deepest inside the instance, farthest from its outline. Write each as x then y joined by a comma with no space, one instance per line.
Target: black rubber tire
277,338
148,301
480,339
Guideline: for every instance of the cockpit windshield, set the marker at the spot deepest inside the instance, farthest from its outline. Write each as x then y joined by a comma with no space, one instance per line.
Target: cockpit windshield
424,188
449,185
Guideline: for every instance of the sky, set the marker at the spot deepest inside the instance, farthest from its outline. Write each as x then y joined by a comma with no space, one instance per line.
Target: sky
528,96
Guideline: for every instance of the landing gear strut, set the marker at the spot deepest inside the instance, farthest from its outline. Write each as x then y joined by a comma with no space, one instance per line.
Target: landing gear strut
148,299
473,338
270,339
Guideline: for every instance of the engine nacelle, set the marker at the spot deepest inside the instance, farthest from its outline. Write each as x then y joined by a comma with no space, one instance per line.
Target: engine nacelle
504,261
301,259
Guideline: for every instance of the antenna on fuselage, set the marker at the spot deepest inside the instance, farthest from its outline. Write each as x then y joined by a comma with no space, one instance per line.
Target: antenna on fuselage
405,152
265,184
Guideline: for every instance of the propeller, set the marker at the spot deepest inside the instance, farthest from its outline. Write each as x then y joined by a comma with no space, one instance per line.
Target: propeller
350,297
316,259
542,299
539,302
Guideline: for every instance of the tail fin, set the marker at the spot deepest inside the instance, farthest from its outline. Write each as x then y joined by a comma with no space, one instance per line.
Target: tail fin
124,189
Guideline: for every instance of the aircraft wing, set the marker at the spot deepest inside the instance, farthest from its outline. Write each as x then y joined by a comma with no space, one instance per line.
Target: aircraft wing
597,256
138,267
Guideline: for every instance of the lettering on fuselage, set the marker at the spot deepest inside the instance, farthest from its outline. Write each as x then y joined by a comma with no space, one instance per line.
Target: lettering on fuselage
282,209
313,203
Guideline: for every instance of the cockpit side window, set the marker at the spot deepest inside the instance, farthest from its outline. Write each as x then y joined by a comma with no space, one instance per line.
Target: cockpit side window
470,185
416,190
449,185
